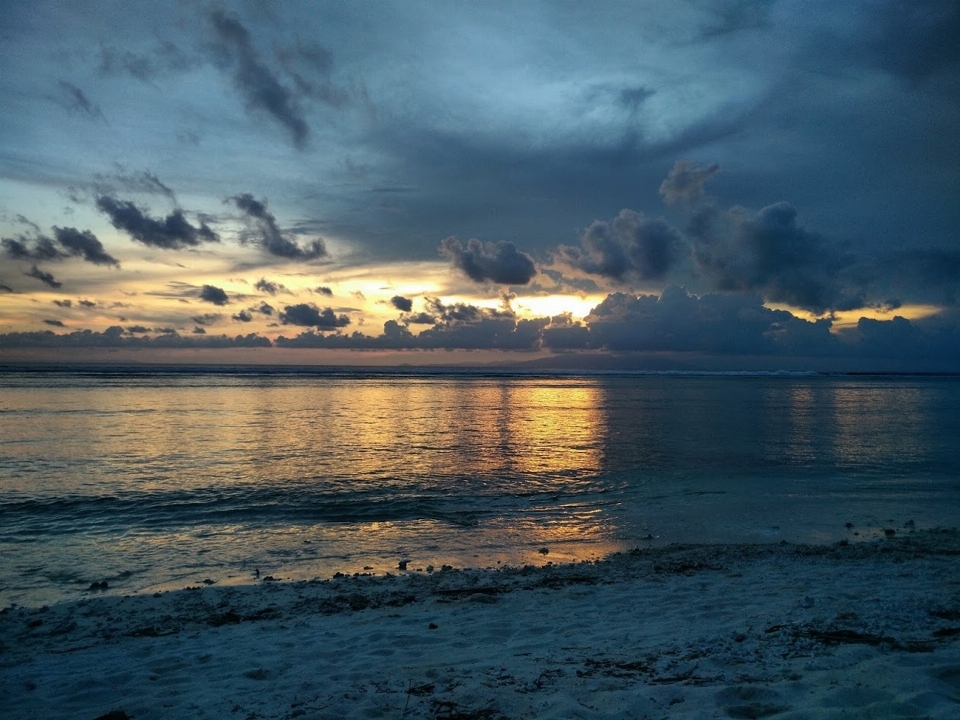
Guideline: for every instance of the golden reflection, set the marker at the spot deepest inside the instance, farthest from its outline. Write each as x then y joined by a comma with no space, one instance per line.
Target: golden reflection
558,429
501,464
444,427
871,427
803,420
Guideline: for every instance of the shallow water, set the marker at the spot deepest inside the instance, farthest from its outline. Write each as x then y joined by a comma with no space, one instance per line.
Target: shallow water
160,478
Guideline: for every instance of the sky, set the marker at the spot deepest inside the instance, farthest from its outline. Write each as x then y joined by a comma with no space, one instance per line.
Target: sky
703,183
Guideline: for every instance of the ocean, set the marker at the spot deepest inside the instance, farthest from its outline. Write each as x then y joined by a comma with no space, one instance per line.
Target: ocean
149,479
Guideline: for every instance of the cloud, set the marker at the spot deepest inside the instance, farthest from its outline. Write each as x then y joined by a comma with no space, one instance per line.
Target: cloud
116,337
420,319
401,303
771,253
499,262
263,308
77,101
271,288
677,321
324,291
696,327
632,245
84,244
259,86
242,316
43,249
562,333
6,288
62,303
57,323
142,182
207,318
684,184
269,236
173,232
145,67
458,326
215,295
736,16
44,277
917,38
72,243
197,330
309,315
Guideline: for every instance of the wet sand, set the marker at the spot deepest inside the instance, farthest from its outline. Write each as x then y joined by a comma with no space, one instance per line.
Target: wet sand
868,629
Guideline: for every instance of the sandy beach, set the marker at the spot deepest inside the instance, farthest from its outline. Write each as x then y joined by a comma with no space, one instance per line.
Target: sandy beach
850,630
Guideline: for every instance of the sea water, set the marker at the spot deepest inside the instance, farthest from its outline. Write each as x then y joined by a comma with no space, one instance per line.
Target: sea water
155,478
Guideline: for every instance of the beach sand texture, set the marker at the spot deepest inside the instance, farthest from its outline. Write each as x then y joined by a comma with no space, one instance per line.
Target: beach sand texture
850,630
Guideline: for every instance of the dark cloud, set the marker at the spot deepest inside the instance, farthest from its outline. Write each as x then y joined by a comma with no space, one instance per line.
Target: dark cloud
72,243
269,287
499,262
43,249
84,243
44,277
309,315
562,333
144,66
458,326
632,245
401,303
461,325
207,318
420,319
116,337
735,16
324,291
62,303
931,273
242,316
197,330
122,180
6,288
260,87
76,100
57,323
213,294
16,249
735,325
771,253
263,308
684,184
308,65
269,236
171,233
113,61
676,321
633,97
766,252
917,38
138,329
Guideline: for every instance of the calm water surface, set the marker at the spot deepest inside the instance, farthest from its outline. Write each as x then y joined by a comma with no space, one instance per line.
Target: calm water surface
163,479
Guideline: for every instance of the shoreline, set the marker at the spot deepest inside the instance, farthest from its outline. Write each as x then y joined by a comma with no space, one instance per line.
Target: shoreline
749,630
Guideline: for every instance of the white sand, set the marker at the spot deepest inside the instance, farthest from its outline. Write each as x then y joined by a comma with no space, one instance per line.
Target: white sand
868,630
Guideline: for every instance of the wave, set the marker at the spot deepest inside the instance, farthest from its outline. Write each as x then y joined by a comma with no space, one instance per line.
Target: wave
267,507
